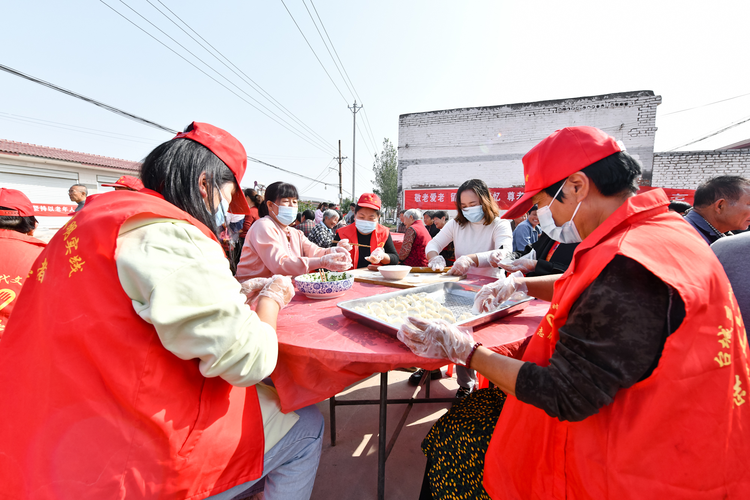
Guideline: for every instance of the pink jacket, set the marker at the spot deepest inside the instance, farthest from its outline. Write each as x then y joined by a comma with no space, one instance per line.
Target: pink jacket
274,249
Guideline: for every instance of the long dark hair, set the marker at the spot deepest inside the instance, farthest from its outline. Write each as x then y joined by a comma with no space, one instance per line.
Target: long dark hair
274,193
488,203
254,196
173,170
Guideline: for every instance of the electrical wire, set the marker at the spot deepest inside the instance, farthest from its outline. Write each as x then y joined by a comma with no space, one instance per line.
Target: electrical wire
288,171
313,51
294,131
724,129
234,68
704,105
112,109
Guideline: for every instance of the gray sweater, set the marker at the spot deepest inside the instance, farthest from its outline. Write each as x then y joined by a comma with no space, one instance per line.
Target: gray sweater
734,254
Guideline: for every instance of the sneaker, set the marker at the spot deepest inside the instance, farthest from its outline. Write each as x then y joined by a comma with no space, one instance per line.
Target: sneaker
462,392
417,376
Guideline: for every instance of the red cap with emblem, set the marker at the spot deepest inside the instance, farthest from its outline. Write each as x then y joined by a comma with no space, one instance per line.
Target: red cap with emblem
128,182
563,153
229,150
17,202
370,200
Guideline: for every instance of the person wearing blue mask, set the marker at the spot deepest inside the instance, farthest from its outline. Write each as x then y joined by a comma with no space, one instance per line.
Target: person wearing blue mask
272,247
476,232
367,241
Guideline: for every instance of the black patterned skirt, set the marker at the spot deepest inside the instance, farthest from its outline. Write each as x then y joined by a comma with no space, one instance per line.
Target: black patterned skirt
456,445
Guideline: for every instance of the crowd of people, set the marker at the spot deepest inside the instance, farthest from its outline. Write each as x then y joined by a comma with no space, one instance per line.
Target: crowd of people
620,382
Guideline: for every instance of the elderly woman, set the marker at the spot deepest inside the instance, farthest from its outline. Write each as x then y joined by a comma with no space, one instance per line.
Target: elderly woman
412,252
272,247
625,390
367,240
148,384
323,232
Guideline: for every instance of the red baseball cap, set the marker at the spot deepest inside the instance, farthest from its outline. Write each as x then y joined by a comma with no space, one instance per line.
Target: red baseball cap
229,150
370,200
18,202
564,152
127,181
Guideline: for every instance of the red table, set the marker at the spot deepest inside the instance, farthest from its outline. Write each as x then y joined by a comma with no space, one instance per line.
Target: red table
321,352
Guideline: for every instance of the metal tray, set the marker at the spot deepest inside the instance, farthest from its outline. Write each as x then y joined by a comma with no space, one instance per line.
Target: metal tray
457,297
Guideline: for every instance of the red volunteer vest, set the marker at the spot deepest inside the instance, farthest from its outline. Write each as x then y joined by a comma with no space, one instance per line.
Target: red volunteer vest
684,432
377,238
17,253
417,256
93,406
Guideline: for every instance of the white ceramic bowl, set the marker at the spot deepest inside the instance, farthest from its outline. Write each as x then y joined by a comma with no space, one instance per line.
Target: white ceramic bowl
394,272
313,288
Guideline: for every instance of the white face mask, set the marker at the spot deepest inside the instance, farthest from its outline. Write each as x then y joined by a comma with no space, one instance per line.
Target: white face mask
567,233
365,226
473,214
286,215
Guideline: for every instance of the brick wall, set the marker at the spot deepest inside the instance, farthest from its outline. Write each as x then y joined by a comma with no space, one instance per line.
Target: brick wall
442,149
686,170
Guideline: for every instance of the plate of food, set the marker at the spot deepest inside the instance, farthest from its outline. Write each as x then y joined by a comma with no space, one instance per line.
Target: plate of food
324,284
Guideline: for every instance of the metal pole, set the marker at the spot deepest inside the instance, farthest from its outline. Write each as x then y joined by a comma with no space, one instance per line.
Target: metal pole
341,186
381,437
354,109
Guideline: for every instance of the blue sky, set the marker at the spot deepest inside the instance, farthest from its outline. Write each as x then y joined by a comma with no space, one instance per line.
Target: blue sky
401,56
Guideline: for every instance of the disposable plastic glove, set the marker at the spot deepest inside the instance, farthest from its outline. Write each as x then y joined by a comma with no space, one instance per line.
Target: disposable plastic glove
376,256
436,339
333,261
345,244
461,266
278,288
437,263
492,295
337,249
252,287
525,264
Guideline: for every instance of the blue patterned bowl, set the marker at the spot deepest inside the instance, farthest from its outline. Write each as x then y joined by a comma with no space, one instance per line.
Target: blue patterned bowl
313,288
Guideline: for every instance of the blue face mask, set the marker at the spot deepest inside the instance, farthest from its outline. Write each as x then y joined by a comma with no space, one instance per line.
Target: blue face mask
473,214
286,215
221,214
365,226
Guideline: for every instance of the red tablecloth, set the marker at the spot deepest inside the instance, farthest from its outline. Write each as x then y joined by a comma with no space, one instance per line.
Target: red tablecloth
398,240
321,352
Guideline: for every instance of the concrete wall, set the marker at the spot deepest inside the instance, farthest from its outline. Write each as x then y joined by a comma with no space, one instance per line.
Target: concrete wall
441,149
686,170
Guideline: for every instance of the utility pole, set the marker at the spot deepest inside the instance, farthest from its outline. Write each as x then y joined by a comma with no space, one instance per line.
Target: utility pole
340,159
354,110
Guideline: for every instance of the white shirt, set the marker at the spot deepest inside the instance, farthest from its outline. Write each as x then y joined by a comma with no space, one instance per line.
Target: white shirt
475,238
179,281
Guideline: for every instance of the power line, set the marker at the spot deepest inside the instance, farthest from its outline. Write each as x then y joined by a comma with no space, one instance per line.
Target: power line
367,121
294,131
313,51
234,68
704,105
724,129
87,99
288,171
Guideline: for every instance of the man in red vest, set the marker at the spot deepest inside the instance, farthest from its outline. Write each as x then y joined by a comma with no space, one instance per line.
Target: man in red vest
412,251
18,248
635,384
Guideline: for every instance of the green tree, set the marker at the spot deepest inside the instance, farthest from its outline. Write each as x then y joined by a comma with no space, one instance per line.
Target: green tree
386,175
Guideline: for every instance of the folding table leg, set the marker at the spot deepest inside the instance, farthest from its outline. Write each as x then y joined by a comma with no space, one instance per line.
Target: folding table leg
381,436
332,418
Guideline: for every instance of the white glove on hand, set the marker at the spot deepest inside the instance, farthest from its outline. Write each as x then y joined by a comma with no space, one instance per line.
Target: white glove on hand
461,266
252,287
337,249
498,257
345,244
436,339
525,266
376,256
492,295
437,263
335,261
278,288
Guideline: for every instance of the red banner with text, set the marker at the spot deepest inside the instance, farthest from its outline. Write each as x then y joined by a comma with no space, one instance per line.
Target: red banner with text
53,209
445,199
